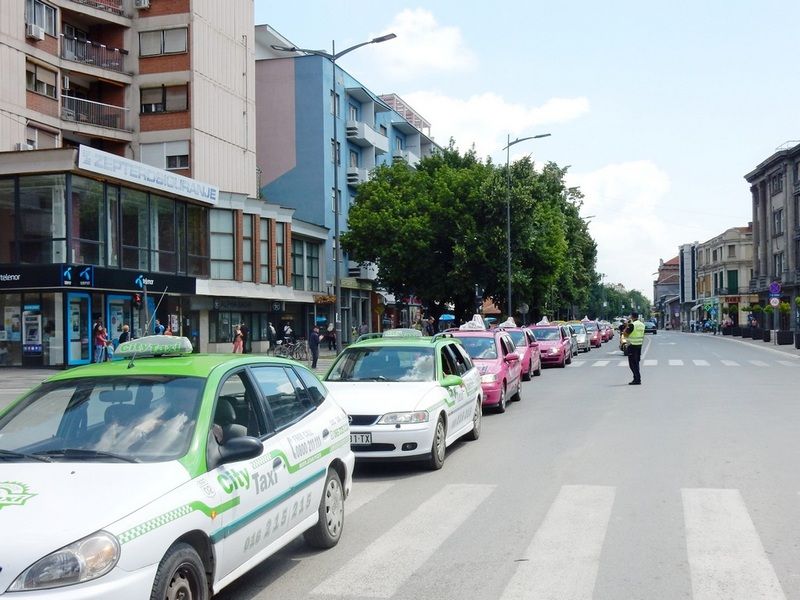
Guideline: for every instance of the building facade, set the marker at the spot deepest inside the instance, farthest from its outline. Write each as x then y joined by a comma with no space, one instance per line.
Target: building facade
687,282
665,293
305,166
775,196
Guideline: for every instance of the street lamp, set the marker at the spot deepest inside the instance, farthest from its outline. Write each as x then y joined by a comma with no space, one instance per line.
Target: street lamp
337,258
508,207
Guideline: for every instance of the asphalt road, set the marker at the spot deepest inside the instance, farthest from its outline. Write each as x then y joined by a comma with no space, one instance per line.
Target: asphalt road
684,487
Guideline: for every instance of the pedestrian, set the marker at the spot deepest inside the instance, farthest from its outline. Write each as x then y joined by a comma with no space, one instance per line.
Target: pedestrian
158,328
364,328
245,336
287,333
313,346
237,341
100,342
125,336
271,336
330,336
635,336
429,329
168,330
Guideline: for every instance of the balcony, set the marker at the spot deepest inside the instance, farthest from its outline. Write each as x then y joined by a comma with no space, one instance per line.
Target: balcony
112,6
356,175
79,110
92,53
361,134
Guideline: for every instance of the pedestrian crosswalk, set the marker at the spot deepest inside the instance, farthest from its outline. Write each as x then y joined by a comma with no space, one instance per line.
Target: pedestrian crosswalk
723,553
693,362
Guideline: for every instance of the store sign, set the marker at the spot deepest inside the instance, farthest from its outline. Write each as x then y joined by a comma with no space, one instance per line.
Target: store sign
97,161
89,277
77,276
30,276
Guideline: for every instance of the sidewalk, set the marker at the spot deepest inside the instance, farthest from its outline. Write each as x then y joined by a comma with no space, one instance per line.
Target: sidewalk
788,350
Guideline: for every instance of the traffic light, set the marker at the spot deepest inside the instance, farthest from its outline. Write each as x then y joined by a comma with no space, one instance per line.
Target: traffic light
137,300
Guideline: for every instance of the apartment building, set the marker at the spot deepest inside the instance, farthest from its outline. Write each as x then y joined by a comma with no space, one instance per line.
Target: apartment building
775,195
666,293
299,156
128,180
724,270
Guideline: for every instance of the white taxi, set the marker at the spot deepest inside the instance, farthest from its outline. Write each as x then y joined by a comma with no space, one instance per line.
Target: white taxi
166,474
407,397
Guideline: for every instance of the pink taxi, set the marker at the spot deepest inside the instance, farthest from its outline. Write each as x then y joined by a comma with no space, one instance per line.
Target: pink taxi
554,344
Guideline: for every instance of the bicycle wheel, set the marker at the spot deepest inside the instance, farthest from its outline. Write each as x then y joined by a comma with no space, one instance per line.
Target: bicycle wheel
300,353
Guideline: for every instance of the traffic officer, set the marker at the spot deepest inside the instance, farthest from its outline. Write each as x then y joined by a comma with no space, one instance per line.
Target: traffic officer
635,334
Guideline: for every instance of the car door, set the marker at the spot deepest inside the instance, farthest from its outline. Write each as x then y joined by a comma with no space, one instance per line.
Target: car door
534,350
469,372
515,366
458,405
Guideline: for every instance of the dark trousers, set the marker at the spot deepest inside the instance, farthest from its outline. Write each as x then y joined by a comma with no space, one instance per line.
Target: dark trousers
314,356
634,356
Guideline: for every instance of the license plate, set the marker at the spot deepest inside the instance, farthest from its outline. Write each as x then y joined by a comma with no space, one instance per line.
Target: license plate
360,439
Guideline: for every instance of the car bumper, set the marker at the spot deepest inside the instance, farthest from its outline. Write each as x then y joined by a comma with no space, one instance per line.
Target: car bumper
550,359
118,584
492,393
388,441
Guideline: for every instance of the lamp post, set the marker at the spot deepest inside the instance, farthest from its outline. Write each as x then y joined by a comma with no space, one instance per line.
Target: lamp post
508,207
337,257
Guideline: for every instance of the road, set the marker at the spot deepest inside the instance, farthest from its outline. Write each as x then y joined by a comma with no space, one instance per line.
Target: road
684,487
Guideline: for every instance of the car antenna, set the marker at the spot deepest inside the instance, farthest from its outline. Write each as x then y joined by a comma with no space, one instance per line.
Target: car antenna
150,320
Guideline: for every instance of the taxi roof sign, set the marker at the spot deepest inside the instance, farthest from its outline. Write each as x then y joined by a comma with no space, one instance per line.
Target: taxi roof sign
402,332
154,345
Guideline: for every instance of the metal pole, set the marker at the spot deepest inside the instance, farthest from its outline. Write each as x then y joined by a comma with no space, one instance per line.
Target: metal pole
337,254
508,221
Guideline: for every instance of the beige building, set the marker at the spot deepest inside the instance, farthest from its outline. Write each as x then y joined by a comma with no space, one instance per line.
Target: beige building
724,269
166,82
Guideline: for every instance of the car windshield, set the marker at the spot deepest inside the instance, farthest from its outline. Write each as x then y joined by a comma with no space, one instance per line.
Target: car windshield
547,334
480,348
384,363
147,419
590,327
518,338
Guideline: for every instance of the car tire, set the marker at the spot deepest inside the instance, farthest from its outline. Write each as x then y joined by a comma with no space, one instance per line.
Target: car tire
501,406
568,360
527,375
474,433
438,446
538,371
586,350
563,363
326,533
518,394
181,574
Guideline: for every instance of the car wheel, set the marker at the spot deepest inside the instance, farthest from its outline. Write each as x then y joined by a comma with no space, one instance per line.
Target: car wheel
538,370
585,350
181,574
328,530
438,447
518,394
527,375
475,433
568,360
563,362
501,407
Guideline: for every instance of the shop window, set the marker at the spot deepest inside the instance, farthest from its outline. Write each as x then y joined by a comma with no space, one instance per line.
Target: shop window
112,194
263,250
222,244
11,330
280,256
88,243
163,41
163,234
42,219
135,228
247,247
197,241
7,220
40,80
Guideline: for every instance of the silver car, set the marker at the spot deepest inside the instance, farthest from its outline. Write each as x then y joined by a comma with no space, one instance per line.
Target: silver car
581,336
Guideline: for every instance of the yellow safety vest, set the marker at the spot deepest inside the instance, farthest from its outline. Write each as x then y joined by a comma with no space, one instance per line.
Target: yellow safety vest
636,337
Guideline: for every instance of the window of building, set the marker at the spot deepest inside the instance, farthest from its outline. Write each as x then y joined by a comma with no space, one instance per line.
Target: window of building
731,251
7,220
776,183
733,282
777,222
352,112
88,236
163,234
777,263
353,159
383,130
334,108
312,266
298,264
797,210
263,250
42,219
398,144
247,247
166,155
163,41
40,139
40,80
713,256
222,244
135,230
797,173
165,99
41,14
336,150
336,201
197,241
280,254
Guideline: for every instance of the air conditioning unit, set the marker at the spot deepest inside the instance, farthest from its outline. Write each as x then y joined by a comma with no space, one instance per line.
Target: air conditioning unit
34,32
25,146
65,82
140,4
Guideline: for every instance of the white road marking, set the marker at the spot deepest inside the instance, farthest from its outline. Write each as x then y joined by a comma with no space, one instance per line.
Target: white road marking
788,363
381,568
623,363
675,362
363,493
651,362
601,363
563,558
578,363
726,558
758,363
730,363
700,363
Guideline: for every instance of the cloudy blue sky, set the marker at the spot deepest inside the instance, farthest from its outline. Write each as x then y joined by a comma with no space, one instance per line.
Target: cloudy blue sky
658,108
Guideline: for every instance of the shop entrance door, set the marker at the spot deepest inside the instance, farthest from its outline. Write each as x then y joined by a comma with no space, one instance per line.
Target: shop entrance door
119,311
79,329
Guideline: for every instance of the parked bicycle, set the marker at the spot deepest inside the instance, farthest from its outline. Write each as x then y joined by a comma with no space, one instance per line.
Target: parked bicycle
298,349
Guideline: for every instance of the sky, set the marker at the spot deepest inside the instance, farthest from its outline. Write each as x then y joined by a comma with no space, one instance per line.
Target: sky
658,108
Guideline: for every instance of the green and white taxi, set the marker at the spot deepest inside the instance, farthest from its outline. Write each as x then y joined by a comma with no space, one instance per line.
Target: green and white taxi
407,397
166,474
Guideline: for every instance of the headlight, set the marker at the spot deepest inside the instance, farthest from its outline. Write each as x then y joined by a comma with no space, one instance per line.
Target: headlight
489,378
403,418
86,559
554,350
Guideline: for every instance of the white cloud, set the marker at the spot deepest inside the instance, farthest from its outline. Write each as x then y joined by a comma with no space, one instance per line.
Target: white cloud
422,46
484,119
626,205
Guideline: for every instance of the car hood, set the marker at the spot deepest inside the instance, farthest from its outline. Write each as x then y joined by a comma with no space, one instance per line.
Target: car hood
547,344
492,365
46,506
380,397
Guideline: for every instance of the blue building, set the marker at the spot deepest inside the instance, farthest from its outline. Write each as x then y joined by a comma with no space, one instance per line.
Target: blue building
297,99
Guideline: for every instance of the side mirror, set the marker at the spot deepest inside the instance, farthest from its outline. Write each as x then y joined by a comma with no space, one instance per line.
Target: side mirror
511,357
240,448
452,381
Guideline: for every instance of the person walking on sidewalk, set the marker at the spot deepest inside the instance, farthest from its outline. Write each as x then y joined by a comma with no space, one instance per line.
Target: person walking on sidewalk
313,346
635,335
